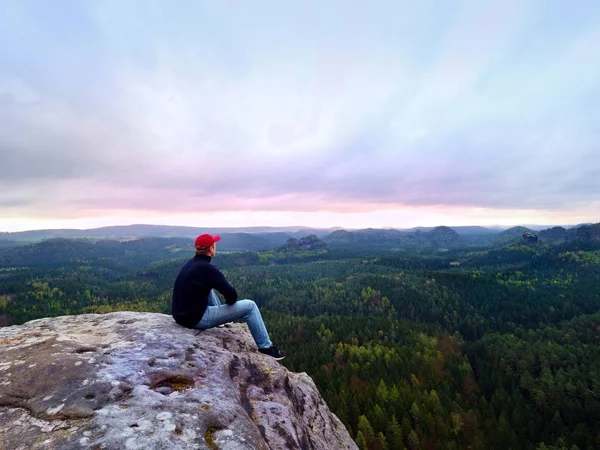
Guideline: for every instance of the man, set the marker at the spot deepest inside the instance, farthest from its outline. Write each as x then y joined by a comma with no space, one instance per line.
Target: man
195,304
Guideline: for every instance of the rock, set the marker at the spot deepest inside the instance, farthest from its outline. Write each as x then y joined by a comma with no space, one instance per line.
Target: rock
307,243
138,380
529,237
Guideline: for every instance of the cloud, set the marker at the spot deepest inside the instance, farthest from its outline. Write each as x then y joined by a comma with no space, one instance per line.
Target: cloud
15,90
392,105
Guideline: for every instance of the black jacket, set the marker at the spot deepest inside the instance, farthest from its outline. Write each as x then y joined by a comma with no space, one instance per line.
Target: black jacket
192,287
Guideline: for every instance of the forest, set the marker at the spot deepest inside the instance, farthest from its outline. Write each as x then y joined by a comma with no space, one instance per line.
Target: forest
440,346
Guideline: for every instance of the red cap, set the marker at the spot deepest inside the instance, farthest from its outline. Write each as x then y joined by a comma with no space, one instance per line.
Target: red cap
206,240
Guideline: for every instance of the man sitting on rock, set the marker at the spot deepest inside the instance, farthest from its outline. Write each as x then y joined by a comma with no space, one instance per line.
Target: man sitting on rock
195,305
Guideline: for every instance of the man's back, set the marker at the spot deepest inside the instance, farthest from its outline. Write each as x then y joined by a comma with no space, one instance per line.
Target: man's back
192,287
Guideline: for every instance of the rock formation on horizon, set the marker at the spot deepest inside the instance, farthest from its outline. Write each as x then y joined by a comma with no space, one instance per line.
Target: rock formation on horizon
310,242
138,380
529,237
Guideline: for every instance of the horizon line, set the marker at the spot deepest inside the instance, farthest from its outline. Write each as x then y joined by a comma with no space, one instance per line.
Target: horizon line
298,227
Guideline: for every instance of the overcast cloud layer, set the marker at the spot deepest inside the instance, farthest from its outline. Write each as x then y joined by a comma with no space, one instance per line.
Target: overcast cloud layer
346,107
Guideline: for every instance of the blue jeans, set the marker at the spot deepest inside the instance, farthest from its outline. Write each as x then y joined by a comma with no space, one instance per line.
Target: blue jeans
243,310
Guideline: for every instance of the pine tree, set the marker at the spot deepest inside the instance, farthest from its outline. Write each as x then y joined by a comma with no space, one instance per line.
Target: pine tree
415,414
361,442
413,440
364,427
394,435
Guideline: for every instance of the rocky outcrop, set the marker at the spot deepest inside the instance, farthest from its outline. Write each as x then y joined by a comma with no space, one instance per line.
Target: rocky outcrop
307,243
529,237
138,380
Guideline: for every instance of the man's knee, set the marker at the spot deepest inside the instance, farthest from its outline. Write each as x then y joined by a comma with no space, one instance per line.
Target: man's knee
248,305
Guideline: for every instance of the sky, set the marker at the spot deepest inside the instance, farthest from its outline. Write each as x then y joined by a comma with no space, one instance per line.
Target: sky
316,113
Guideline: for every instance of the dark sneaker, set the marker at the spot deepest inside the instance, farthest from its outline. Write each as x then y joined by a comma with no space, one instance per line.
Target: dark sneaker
273,352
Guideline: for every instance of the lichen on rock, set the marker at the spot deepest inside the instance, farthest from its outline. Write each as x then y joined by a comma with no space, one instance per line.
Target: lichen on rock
138,380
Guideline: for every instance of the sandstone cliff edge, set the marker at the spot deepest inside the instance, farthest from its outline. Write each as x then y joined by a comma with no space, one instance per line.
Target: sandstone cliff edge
138,380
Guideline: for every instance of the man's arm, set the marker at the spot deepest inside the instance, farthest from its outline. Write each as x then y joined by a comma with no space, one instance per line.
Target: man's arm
222,285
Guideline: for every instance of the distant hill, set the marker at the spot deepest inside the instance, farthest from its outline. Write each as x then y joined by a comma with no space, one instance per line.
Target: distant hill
449,237
137,231
556,235
8,244
443,236
514,231
268,238
464,230
390,238
536,227
589,232
61,251
136,252
366,237
513,234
